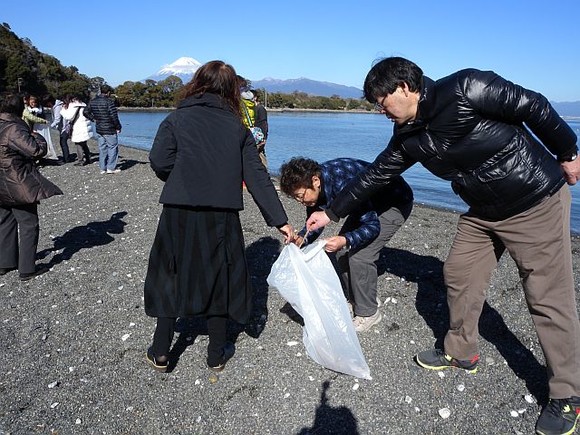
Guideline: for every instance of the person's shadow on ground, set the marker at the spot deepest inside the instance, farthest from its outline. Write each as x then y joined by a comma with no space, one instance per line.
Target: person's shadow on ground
84,237
260,256
431,304
125,164
330,420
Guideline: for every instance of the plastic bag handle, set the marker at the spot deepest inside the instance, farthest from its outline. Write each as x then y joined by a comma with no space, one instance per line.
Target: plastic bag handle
315,248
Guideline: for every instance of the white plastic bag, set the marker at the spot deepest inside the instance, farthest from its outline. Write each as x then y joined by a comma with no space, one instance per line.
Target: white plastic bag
308,281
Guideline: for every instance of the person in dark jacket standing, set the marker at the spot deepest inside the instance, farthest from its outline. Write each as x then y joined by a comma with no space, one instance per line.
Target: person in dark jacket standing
21,188
197,266
103,112
474,128
262,123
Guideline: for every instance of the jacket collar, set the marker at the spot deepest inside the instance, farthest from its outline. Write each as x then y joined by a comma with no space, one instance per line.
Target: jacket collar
9,117
424,108
205,99
426,100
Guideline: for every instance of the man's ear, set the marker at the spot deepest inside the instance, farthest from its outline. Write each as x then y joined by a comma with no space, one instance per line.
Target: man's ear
315,181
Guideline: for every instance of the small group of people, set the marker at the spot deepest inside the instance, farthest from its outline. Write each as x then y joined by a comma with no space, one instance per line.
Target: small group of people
507,153
78,122
25,141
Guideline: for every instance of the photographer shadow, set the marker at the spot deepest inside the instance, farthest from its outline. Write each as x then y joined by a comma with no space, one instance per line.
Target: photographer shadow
431,304
84,237
331,420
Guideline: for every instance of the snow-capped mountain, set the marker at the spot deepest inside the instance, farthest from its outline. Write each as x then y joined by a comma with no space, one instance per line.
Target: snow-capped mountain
184,68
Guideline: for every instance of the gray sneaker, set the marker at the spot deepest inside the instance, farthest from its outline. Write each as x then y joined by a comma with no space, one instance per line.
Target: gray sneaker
362,324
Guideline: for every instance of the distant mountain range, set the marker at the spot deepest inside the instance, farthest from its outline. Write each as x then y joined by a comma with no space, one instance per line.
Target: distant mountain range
567,109
185,67
308,86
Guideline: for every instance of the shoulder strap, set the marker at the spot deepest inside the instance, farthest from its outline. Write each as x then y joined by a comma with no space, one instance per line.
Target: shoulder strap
74,119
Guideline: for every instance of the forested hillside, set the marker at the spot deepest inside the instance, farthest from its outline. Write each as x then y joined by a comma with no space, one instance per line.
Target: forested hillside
25,69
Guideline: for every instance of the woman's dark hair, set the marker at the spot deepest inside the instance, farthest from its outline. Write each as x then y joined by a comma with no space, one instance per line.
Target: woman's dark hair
12,103
66,100
388,74
297,174
216,77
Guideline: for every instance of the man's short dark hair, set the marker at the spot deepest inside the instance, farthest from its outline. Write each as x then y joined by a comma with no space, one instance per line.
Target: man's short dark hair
388,74
297,173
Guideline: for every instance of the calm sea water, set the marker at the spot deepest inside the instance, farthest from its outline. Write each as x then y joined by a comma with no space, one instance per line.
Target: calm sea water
325,136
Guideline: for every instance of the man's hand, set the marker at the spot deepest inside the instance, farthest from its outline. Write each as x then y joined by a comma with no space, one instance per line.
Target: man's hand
288,233
298,240
317,220
571,171
335,243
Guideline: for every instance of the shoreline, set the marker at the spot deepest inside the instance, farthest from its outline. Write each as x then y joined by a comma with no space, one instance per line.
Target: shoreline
78,334
286,109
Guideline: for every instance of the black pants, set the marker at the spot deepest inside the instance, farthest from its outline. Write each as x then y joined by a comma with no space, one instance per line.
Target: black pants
83,152
216,327
64,146
19,221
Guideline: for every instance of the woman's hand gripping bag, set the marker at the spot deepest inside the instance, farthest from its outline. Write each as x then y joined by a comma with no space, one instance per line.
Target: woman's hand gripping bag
307,280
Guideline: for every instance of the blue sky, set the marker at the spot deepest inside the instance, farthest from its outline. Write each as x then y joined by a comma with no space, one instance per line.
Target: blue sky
533,43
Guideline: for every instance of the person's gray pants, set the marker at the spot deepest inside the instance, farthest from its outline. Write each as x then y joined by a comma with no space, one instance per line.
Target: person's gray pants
539,242
358,267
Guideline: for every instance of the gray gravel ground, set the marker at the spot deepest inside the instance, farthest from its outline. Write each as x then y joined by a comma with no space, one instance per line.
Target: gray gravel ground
73,340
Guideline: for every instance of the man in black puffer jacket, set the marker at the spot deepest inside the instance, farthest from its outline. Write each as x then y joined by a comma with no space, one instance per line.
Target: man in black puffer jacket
103,112
468,128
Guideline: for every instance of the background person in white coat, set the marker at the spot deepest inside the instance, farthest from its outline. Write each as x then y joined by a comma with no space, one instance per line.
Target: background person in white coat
80,129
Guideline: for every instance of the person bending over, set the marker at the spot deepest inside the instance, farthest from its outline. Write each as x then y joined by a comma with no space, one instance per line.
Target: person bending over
364,233
508,155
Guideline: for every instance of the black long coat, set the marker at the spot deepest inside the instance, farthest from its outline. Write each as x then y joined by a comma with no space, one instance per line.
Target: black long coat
197,264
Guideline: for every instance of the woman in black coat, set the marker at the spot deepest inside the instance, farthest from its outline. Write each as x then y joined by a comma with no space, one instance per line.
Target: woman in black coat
197,265
21,188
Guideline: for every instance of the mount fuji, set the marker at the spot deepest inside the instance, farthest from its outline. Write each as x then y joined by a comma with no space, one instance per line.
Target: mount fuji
184,68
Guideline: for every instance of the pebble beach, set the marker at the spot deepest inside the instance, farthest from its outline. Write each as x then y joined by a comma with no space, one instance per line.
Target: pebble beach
73,340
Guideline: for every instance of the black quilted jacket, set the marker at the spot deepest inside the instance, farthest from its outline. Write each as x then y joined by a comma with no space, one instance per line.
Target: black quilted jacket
470,130
103,111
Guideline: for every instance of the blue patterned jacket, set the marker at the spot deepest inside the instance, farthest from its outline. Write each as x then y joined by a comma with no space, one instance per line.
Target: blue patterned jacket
335,174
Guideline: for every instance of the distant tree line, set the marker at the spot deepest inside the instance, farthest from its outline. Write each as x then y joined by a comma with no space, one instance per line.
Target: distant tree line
166,93
25,69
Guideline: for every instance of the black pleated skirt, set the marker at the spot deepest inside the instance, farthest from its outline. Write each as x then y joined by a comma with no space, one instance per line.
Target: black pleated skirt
197,266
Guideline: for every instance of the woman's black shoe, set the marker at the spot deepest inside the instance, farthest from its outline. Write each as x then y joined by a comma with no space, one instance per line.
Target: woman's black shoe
160,366
229,350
